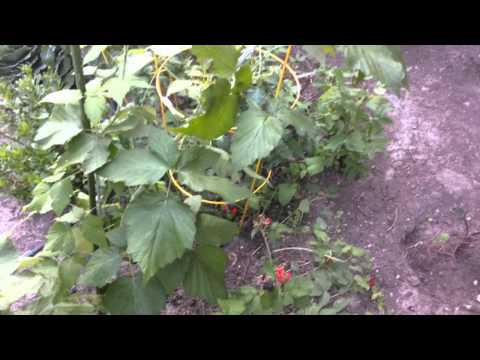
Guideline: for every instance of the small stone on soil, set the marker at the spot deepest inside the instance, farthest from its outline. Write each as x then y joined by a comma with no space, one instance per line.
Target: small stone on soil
475,283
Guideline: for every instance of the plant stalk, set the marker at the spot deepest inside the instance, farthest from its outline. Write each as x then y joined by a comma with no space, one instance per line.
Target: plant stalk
80,82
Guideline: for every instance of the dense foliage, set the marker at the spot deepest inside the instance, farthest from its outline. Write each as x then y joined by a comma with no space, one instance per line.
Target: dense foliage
144,166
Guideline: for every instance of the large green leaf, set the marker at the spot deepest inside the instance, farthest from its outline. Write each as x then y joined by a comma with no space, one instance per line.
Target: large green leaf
95,107
224,57
172,275
222,186
131,118
163,146
65,308
213,230
118,236
60,239
205,277
46,198
221,110
93,53
91,227
89,150
8,257
159,230
286,192
102,268
65,96
117,88
135,167
257,135
64,123
129,296
382,62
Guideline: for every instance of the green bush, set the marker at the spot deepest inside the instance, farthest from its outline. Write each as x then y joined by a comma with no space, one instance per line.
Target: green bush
22,163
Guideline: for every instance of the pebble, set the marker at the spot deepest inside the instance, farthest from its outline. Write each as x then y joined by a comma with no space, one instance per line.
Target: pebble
424,88
478,298
468,307
397,277
475,282
467,103
468,218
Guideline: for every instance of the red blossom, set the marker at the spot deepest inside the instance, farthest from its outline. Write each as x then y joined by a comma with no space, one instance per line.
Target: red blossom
267,221
233,211
282,276
372,282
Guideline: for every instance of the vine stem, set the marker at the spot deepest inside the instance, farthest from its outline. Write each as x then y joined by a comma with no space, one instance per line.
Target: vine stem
80,82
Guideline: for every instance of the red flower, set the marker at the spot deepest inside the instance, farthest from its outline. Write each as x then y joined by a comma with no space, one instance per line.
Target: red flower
372,282
282,276
267,221
230,211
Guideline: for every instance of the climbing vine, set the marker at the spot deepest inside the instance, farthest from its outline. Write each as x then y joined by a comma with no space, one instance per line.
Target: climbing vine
154,142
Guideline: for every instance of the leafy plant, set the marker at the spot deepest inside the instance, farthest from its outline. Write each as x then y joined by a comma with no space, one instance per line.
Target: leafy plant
131,237
22,163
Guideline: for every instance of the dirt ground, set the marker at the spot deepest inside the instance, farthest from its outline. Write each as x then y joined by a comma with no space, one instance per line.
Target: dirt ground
418,211
425,186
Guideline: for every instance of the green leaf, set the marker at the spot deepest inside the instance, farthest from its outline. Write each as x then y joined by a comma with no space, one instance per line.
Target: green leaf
59,239
65,96
222,186
315,165
46,198
72,216
68,273
135,167
302,124
224,57
232,306
304,206
118,236
194,202
159,230
131,118
102,268
257,135
286,192
93,53
64,123
205,277
220,112
128,296
117,88
8,257
82,245
89,150
276,231
443,237
382,62
163,146
95,108
243,79
172,275
299,287
169,50
91,227
213,230
178,86
69,309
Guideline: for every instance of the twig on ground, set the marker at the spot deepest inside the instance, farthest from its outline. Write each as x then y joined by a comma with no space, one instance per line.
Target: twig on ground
390,228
